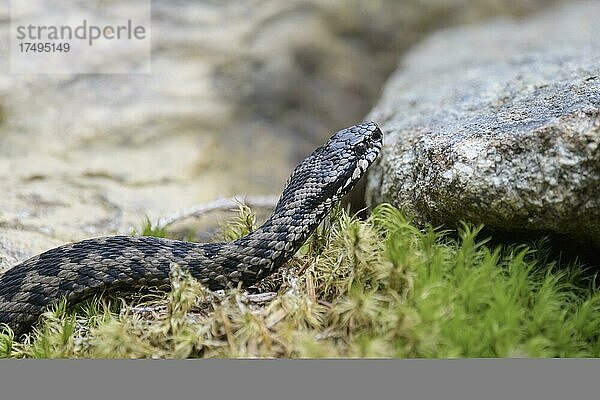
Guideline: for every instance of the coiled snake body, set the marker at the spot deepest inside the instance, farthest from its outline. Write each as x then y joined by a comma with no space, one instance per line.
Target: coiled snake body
78,270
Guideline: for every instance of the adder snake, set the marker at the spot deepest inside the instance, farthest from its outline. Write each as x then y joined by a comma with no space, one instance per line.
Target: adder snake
78,270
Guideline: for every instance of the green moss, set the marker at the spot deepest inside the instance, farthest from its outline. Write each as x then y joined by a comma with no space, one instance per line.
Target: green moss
149,230
374,288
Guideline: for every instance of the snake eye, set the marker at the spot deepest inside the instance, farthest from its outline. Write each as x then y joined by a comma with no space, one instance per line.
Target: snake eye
360,149
376,134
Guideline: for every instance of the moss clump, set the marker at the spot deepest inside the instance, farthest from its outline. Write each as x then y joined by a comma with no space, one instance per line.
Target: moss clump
374,288
148,229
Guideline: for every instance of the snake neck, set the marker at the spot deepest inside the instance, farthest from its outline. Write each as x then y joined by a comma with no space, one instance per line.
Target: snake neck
282,235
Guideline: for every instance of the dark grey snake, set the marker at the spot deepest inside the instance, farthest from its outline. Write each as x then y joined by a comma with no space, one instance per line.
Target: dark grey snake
78,270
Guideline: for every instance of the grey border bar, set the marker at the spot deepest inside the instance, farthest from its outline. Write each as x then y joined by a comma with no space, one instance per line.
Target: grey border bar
300,379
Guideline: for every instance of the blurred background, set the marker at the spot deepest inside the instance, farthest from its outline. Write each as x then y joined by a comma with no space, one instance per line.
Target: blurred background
240,91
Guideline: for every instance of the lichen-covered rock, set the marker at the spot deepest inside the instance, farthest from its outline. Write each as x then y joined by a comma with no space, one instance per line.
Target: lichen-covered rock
498,124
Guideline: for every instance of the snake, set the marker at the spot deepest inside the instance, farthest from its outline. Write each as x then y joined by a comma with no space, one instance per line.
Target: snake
79,270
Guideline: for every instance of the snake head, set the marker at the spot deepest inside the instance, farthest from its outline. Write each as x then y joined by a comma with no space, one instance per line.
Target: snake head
331,171
349,153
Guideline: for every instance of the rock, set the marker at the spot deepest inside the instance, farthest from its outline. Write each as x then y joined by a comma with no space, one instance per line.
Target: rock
498,124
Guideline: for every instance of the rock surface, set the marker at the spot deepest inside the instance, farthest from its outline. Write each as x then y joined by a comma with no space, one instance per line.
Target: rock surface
498,124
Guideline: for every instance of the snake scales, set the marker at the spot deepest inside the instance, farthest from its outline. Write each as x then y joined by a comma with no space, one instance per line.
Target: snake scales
78,270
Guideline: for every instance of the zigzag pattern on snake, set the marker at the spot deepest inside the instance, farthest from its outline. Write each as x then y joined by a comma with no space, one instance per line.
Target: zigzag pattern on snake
78,270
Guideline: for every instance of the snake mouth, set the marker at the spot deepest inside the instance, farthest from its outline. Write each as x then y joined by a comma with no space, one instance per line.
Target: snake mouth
361,167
